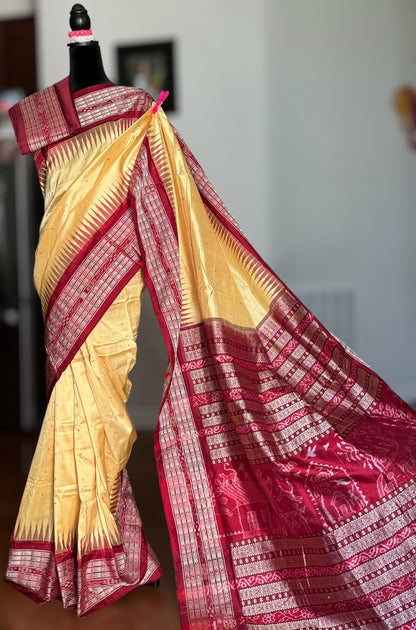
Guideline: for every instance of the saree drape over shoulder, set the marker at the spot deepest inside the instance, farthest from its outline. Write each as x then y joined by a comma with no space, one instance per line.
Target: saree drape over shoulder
286,464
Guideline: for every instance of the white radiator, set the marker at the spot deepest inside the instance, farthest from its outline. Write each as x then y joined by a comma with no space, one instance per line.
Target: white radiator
335,307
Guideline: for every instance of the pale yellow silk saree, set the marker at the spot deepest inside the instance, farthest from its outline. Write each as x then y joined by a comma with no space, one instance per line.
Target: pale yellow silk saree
286,464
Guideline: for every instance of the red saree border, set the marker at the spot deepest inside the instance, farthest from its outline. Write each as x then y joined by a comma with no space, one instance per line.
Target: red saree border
35,131
60,558
123,590
157,180
83,253
92,88
94,580
44,545
187,622
17,119
367,601
41,545
147,276
94,321
66,101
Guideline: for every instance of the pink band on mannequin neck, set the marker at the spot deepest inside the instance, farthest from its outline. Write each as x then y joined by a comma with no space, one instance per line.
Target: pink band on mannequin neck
80,36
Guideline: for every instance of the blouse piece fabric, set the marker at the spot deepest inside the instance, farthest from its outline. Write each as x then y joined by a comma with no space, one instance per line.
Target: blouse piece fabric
286,464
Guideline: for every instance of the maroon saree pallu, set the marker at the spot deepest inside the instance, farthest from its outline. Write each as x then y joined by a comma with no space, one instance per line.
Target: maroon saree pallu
286,464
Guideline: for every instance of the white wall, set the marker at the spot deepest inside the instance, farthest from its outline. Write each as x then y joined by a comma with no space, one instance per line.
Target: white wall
220,80
341,168
407,30
287,104
11,9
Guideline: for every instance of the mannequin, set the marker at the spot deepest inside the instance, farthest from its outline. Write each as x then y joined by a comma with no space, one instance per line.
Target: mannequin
85,62
86,69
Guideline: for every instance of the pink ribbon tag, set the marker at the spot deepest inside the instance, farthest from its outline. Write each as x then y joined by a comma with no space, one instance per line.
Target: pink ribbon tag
162,98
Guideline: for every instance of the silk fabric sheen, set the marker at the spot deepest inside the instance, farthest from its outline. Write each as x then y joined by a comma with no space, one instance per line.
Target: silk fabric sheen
286,464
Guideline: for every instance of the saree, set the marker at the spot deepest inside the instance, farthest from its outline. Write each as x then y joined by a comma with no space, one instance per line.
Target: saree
286,465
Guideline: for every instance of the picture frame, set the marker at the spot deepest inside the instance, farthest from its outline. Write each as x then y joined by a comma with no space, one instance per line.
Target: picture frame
150,67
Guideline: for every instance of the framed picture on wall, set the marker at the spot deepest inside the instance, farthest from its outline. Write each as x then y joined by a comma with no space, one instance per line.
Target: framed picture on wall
150,67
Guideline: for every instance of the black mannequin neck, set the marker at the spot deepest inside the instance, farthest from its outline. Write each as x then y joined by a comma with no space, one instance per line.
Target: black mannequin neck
86,66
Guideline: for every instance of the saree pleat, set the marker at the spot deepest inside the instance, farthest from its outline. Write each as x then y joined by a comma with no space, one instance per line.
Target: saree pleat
286,464
78,515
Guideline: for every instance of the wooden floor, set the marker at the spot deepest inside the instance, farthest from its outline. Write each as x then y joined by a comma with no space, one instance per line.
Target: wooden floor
144,608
